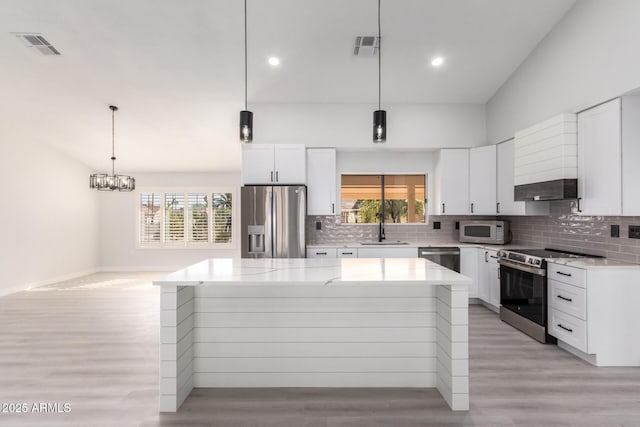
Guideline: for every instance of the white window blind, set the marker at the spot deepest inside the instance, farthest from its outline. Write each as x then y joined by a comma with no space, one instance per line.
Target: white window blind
198,217
174,217
222,217
150,218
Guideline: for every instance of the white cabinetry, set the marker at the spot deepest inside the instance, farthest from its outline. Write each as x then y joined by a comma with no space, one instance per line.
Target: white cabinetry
379,252
608,158
482,180
593,313
321,181
599,160
451,182
505,183
489,278
273,164
469,268
318,252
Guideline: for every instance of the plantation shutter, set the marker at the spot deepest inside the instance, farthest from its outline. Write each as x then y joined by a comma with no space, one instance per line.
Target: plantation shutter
198,217
174,217
150,218
222,218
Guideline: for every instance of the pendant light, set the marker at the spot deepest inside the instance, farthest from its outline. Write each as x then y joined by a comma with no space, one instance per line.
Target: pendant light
380,115
246,116
106,182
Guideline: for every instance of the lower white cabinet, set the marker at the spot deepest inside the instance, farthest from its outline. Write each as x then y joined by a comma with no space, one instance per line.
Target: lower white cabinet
489,277
469,268
593,312
369,252
317,252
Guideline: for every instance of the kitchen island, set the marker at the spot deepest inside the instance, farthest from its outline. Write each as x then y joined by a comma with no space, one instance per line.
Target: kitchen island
314,323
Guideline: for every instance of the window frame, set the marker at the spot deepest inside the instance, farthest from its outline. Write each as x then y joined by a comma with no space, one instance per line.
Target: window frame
187,243
427,212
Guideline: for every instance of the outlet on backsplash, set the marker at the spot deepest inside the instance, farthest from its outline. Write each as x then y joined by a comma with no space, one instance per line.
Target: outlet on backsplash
436,225
615,230
634,231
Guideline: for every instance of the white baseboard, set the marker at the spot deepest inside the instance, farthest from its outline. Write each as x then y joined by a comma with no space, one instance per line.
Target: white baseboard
146,268
590,358
47,281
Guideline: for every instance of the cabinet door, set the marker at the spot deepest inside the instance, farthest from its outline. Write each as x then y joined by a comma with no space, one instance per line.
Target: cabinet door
469,268
494,279
321,253
321,181
368,252
348,253
599,160
257,164
483,275
290,162
482,180
452,182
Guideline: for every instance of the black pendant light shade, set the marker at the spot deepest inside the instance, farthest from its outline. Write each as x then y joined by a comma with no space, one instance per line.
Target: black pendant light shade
246,126
379,126
112,182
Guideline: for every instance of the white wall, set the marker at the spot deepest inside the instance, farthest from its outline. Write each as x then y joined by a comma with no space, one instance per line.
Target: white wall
351,125
49,217
118,227
591,56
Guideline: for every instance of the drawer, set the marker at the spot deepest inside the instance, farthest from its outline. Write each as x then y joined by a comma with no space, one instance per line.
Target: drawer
348,253
568,299
571,275
569,329
321,252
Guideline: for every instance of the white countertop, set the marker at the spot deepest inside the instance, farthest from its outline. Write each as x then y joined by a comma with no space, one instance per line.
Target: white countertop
238,271
592,263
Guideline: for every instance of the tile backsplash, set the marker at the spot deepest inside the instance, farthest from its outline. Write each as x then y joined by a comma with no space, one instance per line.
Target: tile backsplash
562,229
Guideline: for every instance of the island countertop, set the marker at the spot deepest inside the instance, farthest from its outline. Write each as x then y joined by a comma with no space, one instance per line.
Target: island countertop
236,271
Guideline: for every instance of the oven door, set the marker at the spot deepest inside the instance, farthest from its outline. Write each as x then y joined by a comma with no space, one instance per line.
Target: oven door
523,290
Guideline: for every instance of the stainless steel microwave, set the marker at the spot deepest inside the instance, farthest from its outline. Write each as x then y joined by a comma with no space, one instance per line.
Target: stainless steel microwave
485,231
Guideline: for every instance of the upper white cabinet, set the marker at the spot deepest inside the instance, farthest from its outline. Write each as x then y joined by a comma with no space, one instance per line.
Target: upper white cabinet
505,185
273,164
608,158
451,182
599,160
321,181
482,180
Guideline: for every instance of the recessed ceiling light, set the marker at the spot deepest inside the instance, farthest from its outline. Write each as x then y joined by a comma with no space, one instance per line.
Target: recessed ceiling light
437,61
273,61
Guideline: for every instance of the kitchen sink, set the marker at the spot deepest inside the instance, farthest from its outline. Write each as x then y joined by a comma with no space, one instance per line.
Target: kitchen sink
385,243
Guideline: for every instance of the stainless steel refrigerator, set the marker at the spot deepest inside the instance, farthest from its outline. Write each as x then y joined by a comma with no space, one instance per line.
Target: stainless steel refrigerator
273,221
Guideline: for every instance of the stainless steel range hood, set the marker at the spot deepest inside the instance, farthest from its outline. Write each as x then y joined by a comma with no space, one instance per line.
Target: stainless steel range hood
558,189
545,160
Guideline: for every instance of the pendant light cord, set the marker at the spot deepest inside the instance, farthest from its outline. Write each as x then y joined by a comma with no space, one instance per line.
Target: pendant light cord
379,58
245,54
113,141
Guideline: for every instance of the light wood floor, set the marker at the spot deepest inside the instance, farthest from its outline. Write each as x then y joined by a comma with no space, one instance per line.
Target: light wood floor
93,343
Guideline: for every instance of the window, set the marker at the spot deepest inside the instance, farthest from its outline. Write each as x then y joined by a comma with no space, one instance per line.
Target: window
185,219
403,196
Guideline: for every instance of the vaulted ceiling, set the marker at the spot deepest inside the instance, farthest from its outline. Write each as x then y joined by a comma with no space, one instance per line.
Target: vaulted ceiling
175,68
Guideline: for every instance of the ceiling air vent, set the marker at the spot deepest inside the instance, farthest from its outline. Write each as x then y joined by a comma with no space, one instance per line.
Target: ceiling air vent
39,42
366,45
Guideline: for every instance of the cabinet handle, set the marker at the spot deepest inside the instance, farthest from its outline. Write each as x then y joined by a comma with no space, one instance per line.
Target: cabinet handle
494,257
563,274
485,256
565,328
333,208
443,208
471,207
347,253
321,253
498,272
579,198
564,298
498,207
271,176
276,176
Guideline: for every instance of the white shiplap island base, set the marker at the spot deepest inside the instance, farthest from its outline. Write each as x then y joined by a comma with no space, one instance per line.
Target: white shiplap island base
314,323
